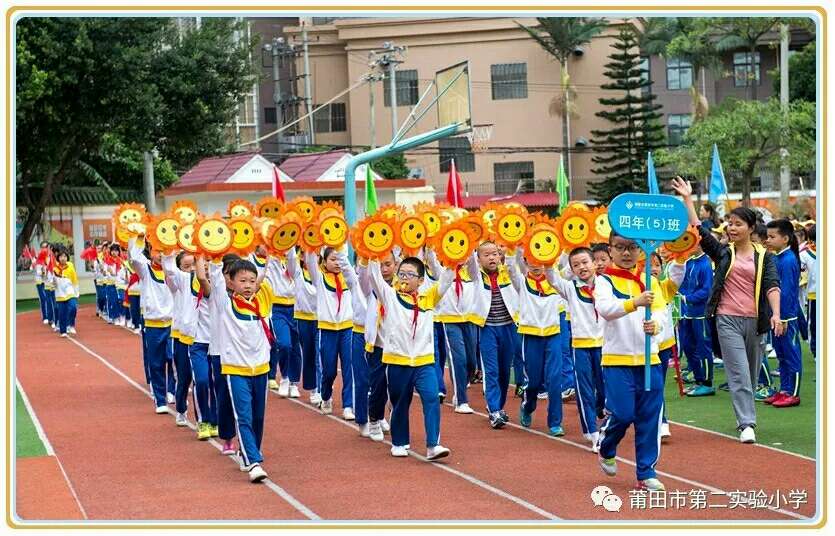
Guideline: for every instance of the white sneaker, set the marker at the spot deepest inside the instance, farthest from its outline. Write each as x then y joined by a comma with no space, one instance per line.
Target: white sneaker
384,424
665,430
436,453
46,321
161,409
170,398
594,437
375,432
326,406
463,408
315,398
542,396
294,391
137,331
399,452
257,474
181,420
747,436
348,414
364,430
284,388
652,484
64,335
71,329
55,327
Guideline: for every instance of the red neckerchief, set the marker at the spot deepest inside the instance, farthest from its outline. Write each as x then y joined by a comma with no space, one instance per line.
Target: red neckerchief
626,274
58,270
590,291
494,280
416,310
156,266
132,280
459,284
538,281
256,311
338,285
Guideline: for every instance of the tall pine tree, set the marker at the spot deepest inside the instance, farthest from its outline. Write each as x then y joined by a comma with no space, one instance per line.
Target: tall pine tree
622,150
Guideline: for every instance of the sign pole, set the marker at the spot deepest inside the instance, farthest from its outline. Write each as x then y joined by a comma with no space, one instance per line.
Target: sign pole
648,246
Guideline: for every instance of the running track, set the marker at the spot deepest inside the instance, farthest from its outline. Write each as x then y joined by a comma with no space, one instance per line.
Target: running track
123,462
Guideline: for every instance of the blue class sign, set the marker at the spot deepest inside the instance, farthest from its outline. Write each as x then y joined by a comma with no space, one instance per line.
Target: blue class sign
656,217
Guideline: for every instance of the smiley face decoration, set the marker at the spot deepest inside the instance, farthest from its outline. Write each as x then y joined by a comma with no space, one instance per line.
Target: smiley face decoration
305,206
333,229
374,237
310,241
285,234
212,236
542,244
239,208
431,217
683,247
244,237
185,238
268,207
575,227
185,211
510,225
411,234
454,243
162,233
602,229
127,213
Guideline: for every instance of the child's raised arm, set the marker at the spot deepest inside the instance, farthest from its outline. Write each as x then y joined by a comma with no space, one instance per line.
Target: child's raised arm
172,273
202,275
311,262
560,284
517,277
383,291
137,258
347,269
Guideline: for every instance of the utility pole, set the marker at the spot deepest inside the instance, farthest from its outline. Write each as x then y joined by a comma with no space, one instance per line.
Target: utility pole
785,174
389,60
372,126
308,95
276,48
148,181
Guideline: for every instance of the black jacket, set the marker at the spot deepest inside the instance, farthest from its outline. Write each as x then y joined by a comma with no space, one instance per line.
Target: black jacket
765,273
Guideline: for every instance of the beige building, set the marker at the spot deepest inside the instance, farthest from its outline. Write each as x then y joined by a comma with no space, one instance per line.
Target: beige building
513,83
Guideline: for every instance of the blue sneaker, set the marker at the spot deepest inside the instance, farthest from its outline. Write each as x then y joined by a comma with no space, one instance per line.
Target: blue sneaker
524,417
701,390
556,431
763,392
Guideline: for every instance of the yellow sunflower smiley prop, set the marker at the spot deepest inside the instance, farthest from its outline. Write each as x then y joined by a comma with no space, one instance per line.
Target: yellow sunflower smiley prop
328,208
239,208
305,206
185,211
285,234
128,213
185,238
244,236
268,207
431,217
333,229
602,229
454,243
682,247
212,236
542,245
576,227
311,241
510,225
374,237
411,234
162,233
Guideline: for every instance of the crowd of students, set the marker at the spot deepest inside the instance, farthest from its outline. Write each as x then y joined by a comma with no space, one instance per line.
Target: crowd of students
228,331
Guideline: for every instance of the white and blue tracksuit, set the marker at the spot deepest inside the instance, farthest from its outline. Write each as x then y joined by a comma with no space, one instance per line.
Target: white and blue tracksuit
787,346
693,327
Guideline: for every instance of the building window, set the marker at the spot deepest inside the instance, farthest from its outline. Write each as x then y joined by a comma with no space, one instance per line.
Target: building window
459,149
330,118
509,81
270,116
677,125
507,176
746,70
645,74
679,74
407,88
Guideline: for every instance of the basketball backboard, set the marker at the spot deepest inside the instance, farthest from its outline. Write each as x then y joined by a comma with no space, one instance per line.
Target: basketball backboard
455,106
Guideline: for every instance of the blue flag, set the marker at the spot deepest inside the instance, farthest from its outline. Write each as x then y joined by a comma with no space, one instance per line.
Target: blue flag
651,178
718,186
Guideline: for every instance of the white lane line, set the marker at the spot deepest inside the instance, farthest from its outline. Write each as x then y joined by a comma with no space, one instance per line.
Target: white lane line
633,464
48,446
275,488
469,478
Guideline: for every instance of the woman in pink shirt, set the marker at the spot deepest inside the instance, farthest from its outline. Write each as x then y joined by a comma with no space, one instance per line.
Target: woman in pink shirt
744,303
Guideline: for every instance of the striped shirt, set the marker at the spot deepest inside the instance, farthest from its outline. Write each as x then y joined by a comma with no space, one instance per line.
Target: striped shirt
498,314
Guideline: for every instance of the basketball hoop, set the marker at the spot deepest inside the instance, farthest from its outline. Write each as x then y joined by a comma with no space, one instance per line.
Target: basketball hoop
479,137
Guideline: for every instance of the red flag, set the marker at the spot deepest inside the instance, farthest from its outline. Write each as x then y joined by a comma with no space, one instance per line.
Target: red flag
89,254
453,187
278,190
28,253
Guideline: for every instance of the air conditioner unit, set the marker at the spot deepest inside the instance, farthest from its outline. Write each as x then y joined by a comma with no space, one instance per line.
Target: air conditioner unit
415,173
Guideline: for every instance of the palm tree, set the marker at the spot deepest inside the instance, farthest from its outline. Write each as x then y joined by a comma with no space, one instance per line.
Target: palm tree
561,37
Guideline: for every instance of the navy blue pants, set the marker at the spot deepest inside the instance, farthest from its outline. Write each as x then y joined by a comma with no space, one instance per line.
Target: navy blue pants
249,403
402,382
101,300
440,354
42,299
51,307
336,346
114,306
694,334
567,380
518,364
588,376
359,374
156,343
66,314
789,358
812,315
182,369
135,310
285,355
629,404
459,339
497,347
377,385
542,357
309,345
224,418
201,375
665,356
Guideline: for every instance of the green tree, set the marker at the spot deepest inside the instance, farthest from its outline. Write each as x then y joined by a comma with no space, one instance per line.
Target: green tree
802,75
749,135
561,37
621,151
93,93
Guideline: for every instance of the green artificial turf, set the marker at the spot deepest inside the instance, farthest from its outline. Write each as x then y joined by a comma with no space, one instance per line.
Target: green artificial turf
27,441
792,429
30,305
